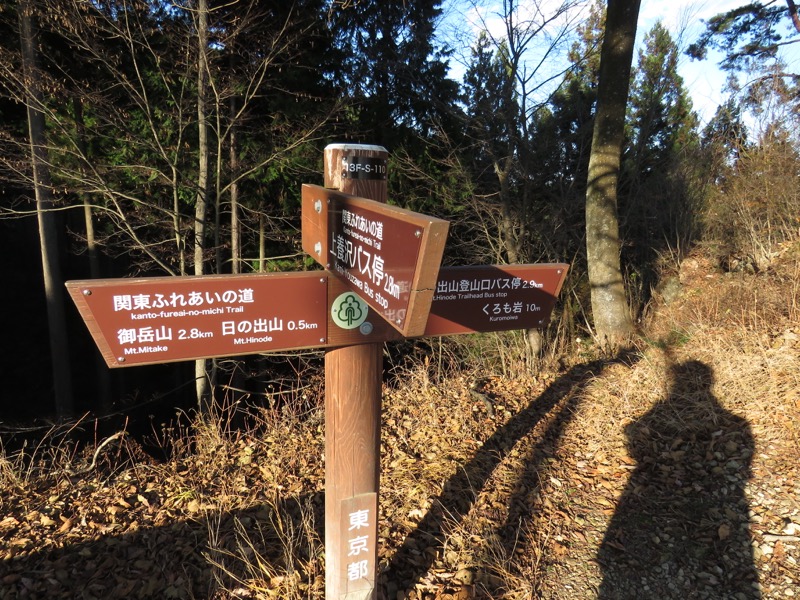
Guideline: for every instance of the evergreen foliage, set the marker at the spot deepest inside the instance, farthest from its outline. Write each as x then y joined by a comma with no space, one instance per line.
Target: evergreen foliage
751,38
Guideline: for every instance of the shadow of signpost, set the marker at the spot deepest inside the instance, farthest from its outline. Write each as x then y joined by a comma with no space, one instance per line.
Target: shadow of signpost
553,409
681,528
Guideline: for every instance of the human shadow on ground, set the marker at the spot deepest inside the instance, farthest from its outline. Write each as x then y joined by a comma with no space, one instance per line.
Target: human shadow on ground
681,528
550,413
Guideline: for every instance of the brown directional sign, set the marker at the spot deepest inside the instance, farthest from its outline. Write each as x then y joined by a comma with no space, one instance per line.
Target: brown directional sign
467,300
387,255
494,298
166,319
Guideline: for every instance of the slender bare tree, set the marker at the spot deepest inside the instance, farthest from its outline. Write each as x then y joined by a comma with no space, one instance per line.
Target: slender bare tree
48,231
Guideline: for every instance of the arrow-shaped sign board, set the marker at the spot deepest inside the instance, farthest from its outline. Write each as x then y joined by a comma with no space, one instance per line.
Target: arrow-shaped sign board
494,298
167,319
479,299
387,255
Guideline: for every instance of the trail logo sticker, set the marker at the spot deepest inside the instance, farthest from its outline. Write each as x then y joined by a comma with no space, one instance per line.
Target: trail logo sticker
349,311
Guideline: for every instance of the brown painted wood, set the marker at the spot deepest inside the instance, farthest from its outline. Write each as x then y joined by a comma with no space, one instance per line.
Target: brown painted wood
292,311
388,255
353,382
494,298
167,319
353,371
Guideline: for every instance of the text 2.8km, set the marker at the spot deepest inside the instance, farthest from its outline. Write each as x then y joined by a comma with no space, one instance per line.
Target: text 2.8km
194,334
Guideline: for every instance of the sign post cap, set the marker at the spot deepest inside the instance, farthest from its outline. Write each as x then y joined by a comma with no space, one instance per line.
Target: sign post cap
346,147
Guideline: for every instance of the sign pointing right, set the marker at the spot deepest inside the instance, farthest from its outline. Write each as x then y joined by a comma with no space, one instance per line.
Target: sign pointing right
494,298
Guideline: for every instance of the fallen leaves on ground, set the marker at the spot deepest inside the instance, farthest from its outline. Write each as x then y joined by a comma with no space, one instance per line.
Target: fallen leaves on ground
670,471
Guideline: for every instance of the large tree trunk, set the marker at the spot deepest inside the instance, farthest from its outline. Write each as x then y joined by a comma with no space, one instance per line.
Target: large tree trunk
509,221
793,14
48,232
612,317
180,245
201,381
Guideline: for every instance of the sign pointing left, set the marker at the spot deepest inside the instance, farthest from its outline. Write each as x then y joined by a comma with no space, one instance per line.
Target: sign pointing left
167,319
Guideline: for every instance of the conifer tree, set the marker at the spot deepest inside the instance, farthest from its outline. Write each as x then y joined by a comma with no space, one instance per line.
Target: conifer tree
562,131
660,168
661,122
752,38
391,70
493,137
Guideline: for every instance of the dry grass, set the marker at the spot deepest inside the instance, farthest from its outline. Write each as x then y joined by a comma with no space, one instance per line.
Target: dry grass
487,472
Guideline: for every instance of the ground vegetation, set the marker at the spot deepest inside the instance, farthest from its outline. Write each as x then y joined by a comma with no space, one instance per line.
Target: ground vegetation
172,139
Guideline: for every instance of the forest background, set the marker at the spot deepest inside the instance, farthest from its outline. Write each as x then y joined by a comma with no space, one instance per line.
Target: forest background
173,139
142,138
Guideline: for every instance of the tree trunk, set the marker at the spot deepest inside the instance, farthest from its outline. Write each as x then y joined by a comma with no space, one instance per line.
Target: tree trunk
793,14
102,375
262,242
508,220
201,203
180,244
236,255
609,305
48,232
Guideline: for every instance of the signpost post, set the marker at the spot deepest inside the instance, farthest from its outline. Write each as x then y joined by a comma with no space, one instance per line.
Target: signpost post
382,282
353,383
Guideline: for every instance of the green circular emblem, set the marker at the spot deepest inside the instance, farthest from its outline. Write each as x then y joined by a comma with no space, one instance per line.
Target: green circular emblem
349,311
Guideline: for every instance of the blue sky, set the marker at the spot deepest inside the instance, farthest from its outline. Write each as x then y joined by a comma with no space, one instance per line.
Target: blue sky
684,19
704,80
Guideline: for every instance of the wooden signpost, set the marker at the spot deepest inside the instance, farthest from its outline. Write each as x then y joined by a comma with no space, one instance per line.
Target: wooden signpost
353,383
382,282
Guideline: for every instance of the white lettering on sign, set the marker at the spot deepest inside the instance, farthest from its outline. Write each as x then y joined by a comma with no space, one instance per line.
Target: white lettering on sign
134,302
266,325
363,225
395,315
175,314
358,568
357,545
363,167
143,335
355,257
262,325
359,520
467,286
145,350
505,308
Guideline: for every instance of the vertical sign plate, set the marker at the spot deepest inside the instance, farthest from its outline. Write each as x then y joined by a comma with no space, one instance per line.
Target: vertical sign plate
387,255
359,535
